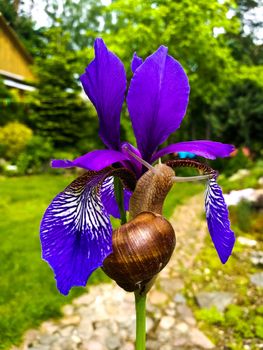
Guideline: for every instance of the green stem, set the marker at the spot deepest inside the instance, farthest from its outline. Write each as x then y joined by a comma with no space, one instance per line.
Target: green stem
140,304
118,191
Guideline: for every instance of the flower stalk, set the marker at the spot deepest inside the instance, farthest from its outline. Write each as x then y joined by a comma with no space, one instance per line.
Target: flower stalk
140,305
118,192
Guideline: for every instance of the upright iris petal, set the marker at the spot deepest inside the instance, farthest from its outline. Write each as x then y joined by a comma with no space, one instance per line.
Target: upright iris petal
136,62
218,222
157,100
76,232
105,82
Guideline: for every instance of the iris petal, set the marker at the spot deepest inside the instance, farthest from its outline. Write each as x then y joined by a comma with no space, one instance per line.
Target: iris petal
136,62
157,100
109,200
218,222
203,148
105,82
95,160
76,232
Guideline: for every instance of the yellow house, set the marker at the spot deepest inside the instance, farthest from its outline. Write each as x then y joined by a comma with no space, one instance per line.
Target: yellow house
15,61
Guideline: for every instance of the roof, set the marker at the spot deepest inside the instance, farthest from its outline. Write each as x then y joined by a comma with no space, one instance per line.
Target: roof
13,36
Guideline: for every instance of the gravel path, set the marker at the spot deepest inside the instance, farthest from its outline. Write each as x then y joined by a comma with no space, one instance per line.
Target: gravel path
104,318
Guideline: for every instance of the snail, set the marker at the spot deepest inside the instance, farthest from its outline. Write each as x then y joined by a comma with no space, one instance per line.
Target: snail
143,246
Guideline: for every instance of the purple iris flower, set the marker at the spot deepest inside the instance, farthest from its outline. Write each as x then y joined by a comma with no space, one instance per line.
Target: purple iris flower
75,230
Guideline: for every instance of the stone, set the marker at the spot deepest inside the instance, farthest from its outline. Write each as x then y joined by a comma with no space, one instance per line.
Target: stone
182,327
66,331
128,346
246,241
234,197
186,314
68,310
257,198
167,322
152,344
171,286
180,341
76,339
218,299
48,327
257,279
257,258
179,298
85,299
30,337
92,345
167,347
48,339
70,320
113,343
170,312
67,344
149,324
240,174
198,338
157,298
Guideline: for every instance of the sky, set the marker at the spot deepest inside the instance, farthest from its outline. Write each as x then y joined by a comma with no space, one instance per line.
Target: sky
38,11
39,15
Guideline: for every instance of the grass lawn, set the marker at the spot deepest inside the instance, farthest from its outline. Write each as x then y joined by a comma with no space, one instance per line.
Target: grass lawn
28,294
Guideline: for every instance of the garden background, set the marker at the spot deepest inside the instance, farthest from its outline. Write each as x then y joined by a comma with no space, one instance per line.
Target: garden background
219,44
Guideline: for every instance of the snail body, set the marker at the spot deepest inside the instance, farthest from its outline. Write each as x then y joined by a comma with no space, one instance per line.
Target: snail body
143,246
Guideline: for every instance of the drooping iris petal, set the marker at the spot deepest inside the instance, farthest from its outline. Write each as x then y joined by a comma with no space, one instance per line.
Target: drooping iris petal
95,160
203,148
76,233
136,62
218,222
105,82
109,200
157,100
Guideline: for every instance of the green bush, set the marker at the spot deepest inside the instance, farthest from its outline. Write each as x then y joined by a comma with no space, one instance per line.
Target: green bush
244,211
233,314
259,326
35,157
210,316
14,138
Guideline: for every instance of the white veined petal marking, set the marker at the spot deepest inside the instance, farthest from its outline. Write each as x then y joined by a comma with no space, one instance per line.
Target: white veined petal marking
218,220
76,231
80,206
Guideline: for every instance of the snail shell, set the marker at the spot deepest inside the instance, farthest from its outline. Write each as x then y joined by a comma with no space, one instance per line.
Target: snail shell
143,246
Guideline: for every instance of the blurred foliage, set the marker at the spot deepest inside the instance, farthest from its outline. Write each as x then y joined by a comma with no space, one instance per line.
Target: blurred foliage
211,316
187,29
251,180
241,114
36,156
57,110
80,19
10,106
13,139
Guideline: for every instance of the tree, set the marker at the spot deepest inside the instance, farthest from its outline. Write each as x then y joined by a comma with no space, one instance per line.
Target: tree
80,19
188,29
22,24
59,113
